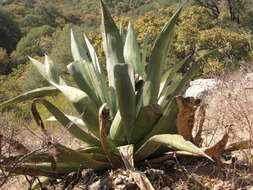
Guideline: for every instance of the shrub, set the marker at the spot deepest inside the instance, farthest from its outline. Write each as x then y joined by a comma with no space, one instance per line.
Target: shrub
4,62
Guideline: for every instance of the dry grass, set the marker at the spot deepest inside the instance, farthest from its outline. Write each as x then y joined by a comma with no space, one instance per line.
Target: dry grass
230,107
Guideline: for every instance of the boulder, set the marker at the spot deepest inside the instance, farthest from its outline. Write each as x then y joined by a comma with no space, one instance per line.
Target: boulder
200,88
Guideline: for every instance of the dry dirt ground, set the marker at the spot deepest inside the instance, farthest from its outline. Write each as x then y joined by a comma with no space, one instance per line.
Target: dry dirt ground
229,107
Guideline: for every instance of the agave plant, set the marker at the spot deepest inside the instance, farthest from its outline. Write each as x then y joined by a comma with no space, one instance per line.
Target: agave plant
134,110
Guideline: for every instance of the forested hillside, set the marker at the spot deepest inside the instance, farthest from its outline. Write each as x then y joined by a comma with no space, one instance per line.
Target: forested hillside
37,27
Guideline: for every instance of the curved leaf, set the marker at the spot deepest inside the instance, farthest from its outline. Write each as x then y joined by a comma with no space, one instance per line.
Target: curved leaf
73,129
73,119
44,71
157,59
84,105
37,93
173,141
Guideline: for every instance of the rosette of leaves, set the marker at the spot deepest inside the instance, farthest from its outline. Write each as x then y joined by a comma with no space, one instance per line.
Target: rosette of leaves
135,106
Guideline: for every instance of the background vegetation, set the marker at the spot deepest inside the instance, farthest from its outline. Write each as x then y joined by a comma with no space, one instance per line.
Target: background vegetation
37,27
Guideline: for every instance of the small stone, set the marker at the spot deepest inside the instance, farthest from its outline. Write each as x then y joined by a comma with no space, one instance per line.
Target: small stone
118,181
166,188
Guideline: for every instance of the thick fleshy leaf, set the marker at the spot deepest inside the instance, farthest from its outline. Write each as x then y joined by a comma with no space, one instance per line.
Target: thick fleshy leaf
113,48
80,75
96,156
100,77
124,83
132,51
172,141
165,125
144,50
78,52
73,119
157,59
84,105
169,75
65,154
73,129
43,70
62,167
51,70
145,121
37,93
117,132
170,112
169,89
121,32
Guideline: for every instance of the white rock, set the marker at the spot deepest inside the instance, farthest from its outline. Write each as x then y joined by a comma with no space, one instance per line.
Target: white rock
200,88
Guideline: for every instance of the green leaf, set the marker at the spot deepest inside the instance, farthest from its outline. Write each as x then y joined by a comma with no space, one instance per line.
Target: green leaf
117,131
157,59
172,141
100,76
169,89
37,93
51,70
84,105
73,129
170,112
132,52
73,119
124,82
78,52
144,50
113,48
69,155
121,32
63,167
145,121
44,71
165,125
170,74
80,75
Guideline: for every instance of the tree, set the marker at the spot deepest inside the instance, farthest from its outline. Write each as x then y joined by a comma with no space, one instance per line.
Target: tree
48,14
236,8
4,62
9,32
30,45
212,5
29,3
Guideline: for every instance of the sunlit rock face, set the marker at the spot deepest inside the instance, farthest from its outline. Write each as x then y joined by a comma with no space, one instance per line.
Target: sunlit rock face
200,88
